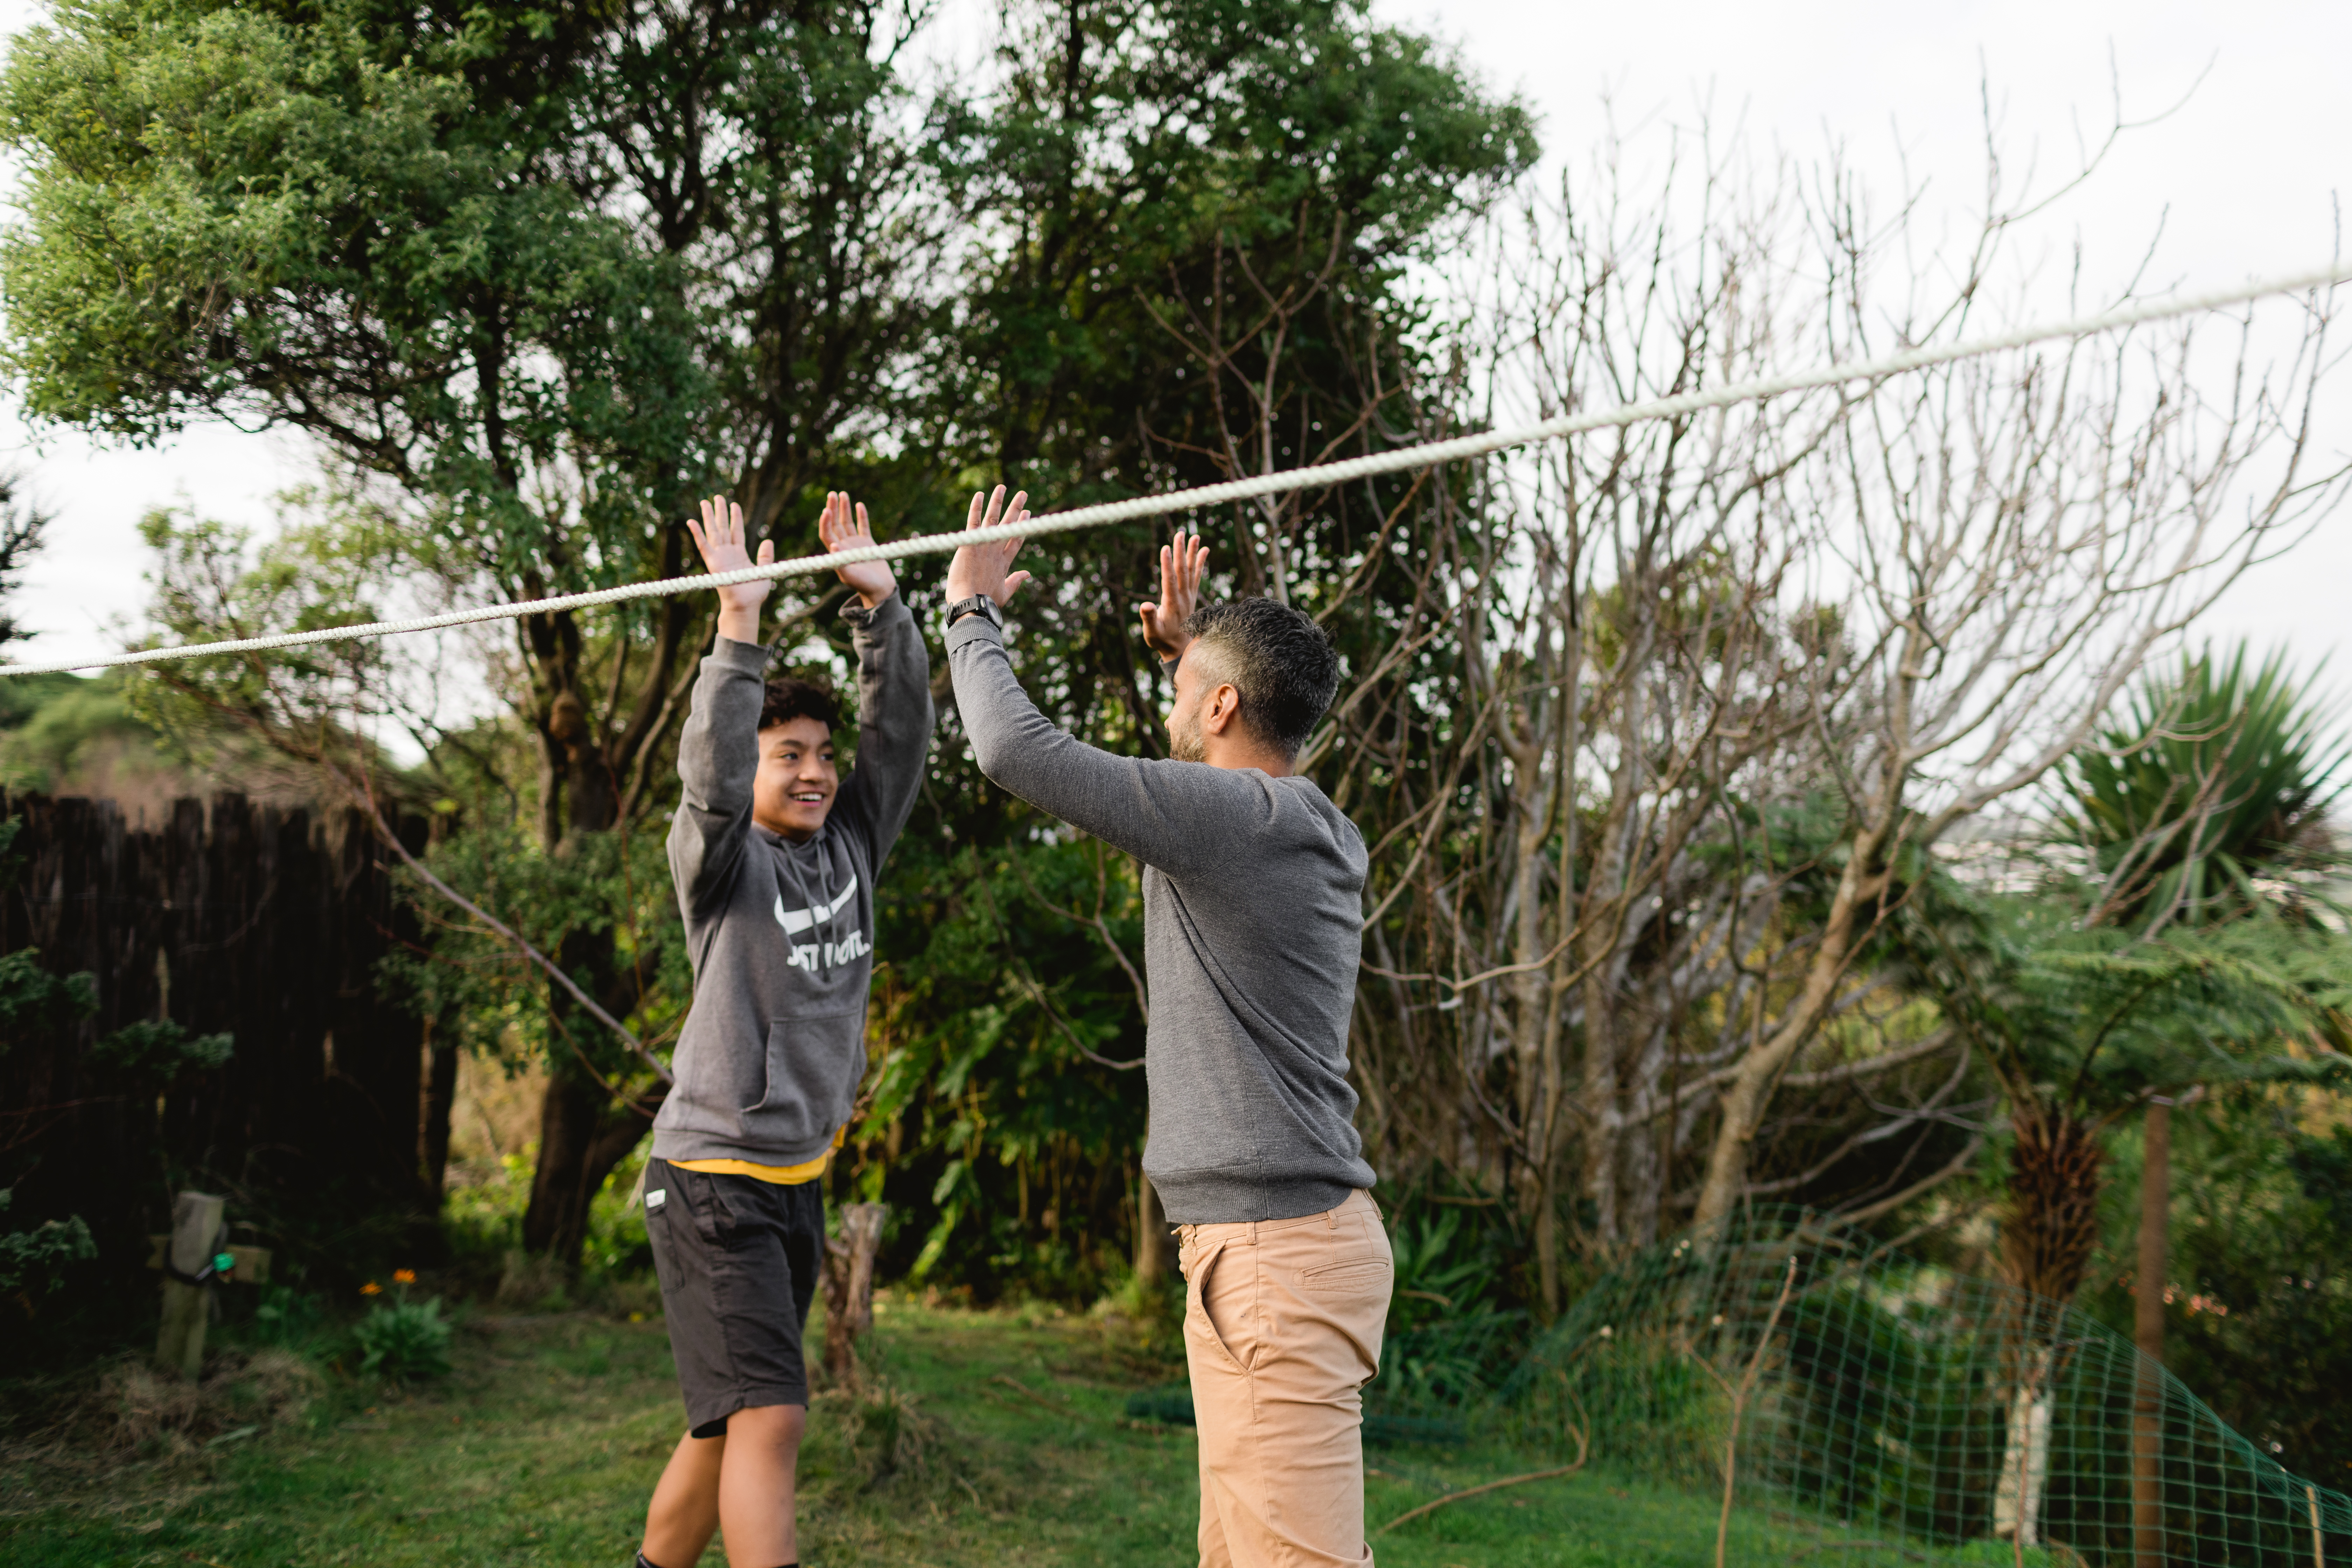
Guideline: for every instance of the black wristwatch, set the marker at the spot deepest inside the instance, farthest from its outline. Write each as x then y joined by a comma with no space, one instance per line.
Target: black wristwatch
978,605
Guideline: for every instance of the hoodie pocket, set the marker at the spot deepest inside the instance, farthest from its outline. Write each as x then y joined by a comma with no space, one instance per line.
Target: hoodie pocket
814,1063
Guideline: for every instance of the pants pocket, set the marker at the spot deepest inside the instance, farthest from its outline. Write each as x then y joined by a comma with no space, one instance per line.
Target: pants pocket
1201,1324
1357,1282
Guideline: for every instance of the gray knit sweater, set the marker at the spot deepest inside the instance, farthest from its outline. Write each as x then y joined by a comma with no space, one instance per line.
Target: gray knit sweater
1253,893
781,934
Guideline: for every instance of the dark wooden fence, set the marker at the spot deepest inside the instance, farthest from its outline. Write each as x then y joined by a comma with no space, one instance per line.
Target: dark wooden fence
326,1128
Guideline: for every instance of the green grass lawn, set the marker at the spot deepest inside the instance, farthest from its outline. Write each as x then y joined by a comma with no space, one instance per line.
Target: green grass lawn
1001,1439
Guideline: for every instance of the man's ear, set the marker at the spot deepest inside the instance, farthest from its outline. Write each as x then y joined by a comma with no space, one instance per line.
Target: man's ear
1221,710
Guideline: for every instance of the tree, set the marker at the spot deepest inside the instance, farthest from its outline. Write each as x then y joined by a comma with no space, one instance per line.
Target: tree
1683,714
1193,225
2200,806
2025,533
21,525
697,245
2083,1027
537,278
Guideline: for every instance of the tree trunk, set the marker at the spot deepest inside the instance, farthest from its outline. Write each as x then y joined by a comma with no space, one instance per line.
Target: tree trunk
1150,1233
1747,1096
2047,1238
2053,1224
1530,1012
2147,1332
583,1132
2025,1454
439,1097
849,1286
582,1135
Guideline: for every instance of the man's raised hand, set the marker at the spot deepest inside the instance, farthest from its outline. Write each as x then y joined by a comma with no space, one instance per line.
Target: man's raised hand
841,529
985,568
1181,563
720,539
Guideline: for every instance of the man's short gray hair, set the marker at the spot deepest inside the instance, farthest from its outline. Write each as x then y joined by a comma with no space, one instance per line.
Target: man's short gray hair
1281,662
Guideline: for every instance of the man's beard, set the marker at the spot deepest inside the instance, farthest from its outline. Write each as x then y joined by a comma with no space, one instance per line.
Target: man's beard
1186,742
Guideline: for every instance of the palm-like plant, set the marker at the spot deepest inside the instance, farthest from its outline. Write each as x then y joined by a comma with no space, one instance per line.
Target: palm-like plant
2213,777
2215,783
2082,1027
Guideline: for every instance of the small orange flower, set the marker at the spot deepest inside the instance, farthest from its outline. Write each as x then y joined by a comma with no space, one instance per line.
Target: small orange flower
371,1288
403,1275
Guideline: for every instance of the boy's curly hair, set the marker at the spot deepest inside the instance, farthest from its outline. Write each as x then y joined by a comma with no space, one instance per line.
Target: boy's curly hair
793,697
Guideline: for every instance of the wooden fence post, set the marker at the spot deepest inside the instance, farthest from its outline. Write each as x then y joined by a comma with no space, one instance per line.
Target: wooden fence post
195,1230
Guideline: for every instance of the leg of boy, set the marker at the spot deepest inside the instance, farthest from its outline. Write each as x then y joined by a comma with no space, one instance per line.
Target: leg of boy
684,1514
1283,1321
756,1485
739,1260
744,1487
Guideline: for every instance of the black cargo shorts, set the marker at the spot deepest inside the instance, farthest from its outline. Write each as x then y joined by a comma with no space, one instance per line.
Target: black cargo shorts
737,1260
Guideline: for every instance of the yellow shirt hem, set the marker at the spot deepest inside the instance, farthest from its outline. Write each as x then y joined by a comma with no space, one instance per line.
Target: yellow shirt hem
781,1176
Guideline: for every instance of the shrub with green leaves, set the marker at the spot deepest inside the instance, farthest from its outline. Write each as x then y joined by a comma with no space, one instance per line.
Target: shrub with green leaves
158,1050
32,1262
403,1340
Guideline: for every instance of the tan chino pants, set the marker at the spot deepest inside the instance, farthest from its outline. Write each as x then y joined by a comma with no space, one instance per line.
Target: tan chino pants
1282,1330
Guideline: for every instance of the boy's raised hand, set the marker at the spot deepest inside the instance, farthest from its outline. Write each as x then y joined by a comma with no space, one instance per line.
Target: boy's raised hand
719,536
841,528
986,568
1182,564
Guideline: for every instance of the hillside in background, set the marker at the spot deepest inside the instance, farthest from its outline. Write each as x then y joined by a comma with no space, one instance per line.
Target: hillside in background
85,735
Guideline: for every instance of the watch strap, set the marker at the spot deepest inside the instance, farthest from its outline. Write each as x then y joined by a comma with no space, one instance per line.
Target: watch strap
979,605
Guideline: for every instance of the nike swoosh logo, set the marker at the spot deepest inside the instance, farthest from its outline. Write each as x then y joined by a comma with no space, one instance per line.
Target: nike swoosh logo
801,920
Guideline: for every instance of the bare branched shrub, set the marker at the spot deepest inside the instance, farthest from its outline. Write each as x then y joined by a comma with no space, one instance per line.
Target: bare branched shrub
1683,713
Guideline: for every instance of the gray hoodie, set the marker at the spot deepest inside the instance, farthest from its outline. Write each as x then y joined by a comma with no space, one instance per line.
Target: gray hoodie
781,934
1252,902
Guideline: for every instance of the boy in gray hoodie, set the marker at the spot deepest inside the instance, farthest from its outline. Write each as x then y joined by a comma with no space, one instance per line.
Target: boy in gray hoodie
774,855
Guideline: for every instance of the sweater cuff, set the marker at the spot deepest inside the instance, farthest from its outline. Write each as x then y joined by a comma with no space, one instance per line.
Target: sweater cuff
973,629
750,657
854,611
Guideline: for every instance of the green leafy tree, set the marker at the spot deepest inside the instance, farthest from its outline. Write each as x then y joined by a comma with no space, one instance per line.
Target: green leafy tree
539,275
33,1263
21,525
1195,222
2082,1025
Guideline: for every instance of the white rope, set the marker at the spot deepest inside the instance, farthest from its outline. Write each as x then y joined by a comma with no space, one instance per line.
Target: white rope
1318,476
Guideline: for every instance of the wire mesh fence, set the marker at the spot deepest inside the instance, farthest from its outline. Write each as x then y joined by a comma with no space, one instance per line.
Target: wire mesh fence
1842,1400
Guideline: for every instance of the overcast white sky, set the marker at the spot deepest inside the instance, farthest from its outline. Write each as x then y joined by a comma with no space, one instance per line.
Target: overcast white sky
2243,180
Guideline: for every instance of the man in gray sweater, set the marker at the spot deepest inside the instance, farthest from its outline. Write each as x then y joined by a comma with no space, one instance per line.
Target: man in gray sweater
1253,887
774,854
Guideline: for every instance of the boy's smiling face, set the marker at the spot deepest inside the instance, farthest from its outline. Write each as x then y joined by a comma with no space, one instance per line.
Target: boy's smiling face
794,791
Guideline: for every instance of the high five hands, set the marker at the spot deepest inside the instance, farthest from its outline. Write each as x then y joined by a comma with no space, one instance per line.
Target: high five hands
986,568
721,538
1182,564
874,580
